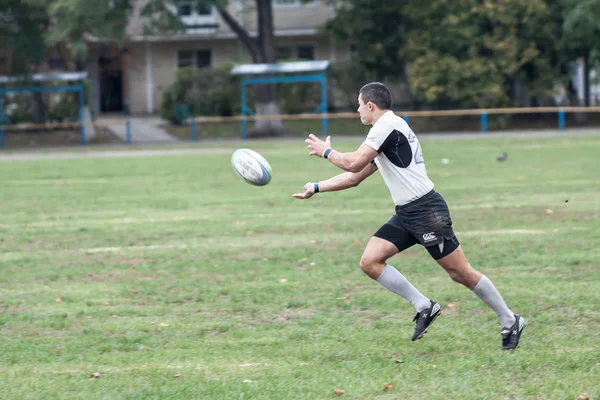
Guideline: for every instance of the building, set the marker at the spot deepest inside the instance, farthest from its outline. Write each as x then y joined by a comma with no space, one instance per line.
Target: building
134,79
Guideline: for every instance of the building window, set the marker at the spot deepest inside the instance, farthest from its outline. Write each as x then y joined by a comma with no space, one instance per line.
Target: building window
184,9
283,53
292,3
205,10
203,58
185,59
295,53
188,58
306,52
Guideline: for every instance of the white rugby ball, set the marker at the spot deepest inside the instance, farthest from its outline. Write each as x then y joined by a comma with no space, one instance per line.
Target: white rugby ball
251,167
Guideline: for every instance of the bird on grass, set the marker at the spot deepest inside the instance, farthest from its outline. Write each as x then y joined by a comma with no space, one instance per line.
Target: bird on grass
502,157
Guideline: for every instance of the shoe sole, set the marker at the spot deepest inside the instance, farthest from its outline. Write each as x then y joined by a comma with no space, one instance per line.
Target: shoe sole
425,330
520,333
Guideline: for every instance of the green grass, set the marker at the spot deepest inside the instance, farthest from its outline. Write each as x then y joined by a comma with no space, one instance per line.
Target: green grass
178,280
48,138
295,128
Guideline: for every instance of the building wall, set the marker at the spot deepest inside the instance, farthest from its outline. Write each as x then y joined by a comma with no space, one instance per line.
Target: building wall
163,58
298,16
162,53
136,79
295,16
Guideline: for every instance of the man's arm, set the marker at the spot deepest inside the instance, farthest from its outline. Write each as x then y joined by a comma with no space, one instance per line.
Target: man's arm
352,162
342,181
355,161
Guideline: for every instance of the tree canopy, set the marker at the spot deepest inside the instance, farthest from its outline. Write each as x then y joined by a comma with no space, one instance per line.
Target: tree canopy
467,53
470,53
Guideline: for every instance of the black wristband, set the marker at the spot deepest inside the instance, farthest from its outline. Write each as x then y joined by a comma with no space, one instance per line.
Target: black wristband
316,188
327,152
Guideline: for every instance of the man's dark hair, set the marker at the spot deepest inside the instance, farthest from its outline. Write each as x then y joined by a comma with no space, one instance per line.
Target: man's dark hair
378,94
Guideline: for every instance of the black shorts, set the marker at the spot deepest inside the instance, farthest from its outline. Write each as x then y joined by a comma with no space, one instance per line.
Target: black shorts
425,221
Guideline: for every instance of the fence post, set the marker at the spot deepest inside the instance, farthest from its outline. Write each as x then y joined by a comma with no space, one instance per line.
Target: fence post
128,130
243,101
193,125
484,121
82,113
2,119
561,119
324,116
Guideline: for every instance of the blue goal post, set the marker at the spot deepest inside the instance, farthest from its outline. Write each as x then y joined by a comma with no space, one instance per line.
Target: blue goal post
285,72
30,87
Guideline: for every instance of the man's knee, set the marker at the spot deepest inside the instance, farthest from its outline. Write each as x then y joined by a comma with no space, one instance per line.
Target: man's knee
456,275
463,274
372,266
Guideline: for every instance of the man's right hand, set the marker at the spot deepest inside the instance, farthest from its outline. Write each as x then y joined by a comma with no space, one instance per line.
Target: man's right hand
309,191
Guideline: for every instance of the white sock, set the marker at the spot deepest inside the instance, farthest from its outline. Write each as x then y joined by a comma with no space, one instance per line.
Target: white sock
487,292
395,282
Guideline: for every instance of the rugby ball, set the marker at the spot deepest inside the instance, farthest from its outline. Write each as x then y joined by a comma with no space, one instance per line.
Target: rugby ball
251,167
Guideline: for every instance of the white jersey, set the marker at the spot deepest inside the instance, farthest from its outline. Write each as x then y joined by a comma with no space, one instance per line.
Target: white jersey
400,160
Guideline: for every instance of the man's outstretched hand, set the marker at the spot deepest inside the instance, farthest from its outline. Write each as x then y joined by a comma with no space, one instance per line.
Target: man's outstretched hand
316,145
308,192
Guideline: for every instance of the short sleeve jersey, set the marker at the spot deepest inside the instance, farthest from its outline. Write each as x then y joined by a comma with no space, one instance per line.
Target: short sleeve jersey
400,160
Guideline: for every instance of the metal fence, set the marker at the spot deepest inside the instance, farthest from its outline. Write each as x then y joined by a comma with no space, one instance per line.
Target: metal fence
189,129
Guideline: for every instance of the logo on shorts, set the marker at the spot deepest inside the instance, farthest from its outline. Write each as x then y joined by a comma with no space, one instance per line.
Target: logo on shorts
428,237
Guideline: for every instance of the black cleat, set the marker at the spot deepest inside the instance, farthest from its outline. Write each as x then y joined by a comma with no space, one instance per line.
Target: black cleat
424,319
511,336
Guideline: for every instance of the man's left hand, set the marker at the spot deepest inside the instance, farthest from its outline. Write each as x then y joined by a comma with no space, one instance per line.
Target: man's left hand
316,145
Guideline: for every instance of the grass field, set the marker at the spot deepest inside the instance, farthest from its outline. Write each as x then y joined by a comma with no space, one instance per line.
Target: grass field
173,279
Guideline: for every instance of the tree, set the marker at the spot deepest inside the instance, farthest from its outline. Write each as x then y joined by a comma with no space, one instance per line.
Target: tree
375,30
76,21
22,29
473,53
30,28
261,48
582,34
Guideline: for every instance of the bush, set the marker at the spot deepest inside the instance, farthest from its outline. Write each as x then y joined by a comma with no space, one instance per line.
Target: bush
60,107
303,97
18,108
206,92
63,107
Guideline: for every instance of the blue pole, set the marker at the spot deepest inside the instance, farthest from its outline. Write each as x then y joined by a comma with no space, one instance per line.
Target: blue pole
484,121
2,121
243,101
407,118
324,119
82,112
561,119
284,79
193,124
128,130
44,89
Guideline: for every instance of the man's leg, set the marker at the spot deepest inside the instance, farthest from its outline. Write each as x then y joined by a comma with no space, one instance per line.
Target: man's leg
460,270
374,264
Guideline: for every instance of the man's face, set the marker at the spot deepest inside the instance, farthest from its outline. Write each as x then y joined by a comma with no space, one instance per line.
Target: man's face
365,111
